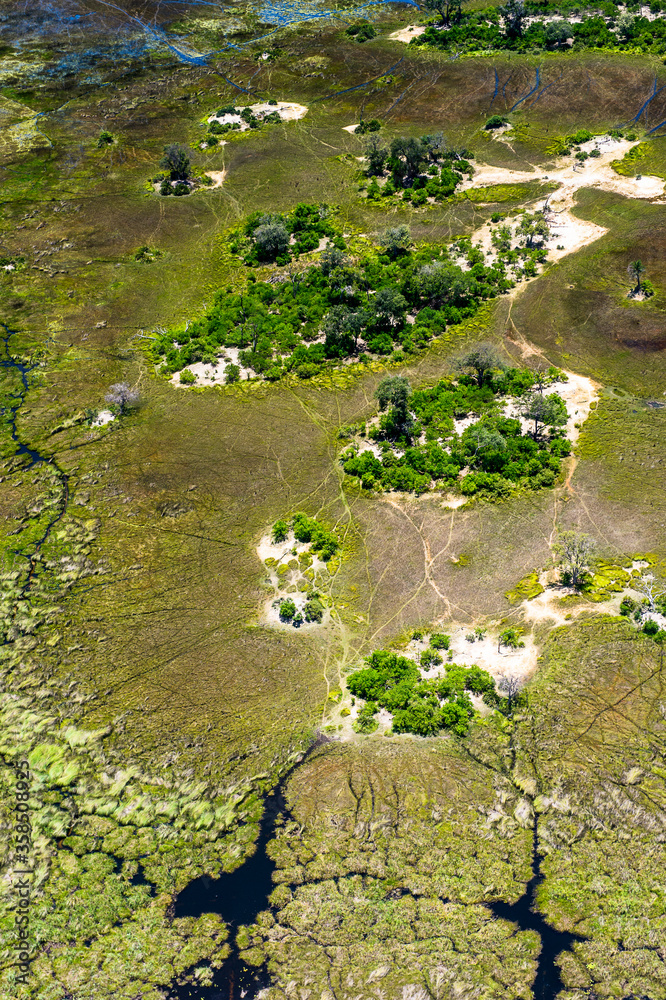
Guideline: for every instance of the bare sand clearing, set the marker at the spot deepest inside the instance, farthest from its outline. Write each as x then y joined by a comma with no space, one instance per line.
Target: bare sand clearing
207,374
218,178
568,233
288,111
406,34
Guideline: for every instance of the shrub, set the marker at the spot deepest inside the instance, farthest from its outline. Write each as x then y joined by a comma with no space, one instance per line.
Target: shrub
430,658
231,374
187,377
496,121
313,610
627,606
366,722
165,187
279,531
105,139
287,610
440,641
180,189
650,627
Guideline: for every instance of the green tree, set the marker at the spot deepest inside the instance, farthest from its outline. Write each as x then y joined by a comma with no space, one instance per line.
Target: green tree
445,9
177,161
480,362
279,532
548,411
376,154
532,227
395,241
636,269
558,34
271,239
342,327
441,282
390,306
510,637
513,13
575,549
406,157
287,610
394,392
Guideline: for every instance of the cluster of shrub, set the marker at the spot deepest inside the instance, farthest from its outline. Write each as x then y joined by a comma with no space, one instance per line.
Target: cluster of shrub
420,449
339,307
247,115
312,613
520,27
361,32
309,531
638,610
176,177
422,707
276,239
416,168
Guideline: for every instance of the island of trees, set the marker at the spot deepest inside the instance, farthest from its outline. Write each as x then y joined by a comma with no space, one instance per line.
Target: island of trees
387,299
415,446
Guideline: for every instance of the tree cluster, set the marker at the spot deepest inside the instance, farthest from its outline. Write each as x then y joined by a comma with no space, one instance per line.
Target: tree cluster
508,27
337,308
416,168
420,449
422,707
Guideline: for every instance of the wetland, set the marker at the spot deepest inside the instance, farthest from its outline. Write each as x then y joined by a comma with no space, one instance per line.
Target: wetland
334,551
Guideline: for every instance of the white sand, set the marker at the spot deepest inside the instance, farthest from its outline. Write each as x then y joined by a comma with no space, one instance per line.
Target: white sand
102,418
288,111
406,34
566,230
207,374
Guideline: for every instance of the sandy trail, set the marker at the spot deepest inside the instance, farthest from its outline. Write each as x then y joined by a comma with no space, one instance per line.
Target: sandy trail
569,234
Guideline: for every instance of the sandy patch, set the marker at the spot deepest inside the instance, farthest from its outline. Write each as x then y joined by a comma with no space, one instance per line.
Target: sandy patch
350,128
568,232
518,663
578,393
102,418
218,177
207,374
452,502
288,111
406,34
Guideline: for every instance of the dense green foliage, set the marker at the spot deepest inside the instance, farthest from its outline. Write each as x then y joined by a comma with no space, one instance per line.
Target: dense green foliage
605,27
428,452
423,707
415,169
357,304
310,531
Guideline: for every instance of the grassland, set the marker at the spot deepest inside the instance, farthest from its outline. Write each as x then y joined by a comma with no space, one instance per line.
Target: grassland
142,624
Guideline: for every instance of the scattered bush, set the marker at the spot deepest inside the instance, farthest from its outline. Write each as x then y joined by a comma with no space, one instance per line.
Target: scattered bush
287,610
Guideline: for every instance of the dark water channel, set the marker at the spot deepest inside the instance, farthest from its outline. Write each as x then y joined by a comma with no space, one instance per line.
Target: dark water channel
548,981
239,896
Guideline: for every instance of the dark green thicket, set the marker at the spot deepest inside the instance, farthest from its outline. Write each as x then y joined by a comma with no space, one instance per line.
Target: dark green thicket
499,456
423,707
605,27
360,304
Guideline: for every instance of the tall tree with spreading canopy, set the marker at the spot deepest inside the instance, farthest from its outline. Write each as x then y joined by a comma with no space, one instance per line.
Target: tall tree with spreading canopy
177,161
393,393
480,362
